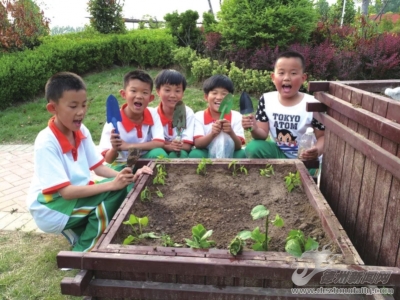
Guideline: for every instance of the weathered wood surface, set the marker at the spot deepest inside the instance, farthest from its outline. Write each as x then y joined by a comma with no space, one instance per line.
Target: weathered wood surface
374,86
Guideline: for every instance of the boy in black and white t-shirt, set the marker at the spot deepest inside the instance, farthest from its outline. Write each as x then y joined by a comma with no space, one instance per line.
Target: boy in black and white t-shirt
283,114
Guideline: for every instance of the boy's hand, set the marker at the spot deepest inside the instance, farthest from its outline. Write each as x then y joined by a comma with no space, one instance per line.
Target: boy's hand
226,126
123,178
115,140
143,170
173,146
249,121
216,128
310,154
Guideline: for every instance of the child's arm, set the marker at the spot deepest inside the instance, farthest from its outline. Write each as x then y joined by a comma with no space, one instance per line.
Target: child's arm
203,141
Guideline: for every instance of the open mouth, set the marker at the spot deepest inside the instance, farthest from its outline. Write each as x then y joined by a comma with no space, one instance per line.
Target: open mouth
286,87
78,122
217,103
138,104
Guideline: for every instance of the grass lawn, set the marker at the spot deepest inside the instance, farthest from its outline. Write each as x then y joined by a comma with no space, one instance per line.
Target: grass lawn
28,268
24,121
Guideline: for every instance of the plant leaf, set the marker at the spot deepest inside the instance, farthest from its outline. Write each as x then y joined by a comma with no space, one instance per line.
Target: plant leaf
293,247
206,235
244,235
259,212
311,244
257,236
144,221
278,222
198,230
128,240
132,220
192,244
258,247
150,235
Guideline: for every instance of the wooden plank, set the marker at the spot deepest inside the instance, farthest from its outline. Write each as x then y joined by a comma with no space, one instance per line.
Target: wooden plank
316,107
390,245
77,285
367,187
356,172
318,86
378,123
375,86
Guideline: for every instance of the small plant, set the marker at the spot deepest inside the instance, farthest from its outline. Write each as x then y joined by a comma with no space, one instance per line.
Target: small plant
237,168
267,171
136,222
145,195
296,243
199,238
201,168
159,178
168,242
261,240
236,246
159,193
292,181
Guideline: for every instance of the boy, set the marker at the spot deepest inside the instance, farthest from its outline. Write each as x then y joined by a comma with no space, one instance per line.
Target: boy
61,196
283,114
140,127
170,87
208,124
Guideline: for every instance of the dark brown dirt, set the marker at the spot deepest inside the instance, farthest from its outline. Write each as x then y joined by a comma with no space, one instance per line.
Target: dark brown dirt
223,202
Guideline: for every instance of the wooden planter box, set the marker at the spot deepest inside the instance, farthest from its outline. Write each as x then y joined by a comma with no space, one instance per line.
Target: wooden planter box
361,164
143,272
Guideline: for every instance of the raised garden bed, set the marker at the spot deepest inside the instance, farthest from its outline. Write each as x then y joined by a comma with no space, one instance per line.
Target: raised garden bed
113,270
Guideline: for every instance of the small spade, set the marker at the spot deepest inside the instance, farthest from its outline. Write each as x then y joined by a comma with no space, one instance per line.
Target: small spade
179,120
133,156
246,105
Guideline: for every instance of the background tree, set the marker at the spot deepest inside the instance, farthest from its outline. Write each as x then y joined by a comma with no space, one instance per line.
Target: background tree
26,25
335,12
253,23
183,27
322,8
106,16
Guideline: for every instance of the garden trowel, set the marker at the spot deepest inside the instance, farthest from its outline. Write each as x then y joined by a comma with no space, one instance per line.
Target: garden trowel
133,156
246,105
113,112
226,106
179,120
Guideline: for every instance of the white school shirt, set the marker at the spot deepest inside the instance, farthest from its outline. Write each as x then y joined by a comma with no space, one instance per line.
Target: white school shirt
58,164
286,123
151,129
204,121
170,133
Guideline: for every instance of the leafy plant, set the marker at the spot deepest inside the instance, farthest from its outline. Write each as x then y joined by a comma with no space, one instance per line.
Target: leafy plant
168,242
159,193
297,244
136,222
161,174
199,238
267,171
261,240
237,168
201,168
292,181
145,195
236,245
106,16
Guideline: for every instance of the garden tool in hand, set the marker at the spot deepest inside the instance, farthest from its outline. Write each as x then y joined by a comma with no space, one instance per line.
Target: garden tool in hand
113,112
179,121
246,105
133,156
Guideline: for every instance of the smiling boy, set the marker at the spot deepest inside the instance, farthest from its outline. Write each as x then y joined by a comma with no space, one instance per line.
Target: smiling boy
283,114
61,196
140,127
208,124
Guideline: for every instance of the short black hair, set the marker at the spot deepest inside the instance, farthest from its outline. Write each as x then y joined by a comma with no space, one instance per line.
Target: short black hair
139,75
171,77
62,82
291,54
218,81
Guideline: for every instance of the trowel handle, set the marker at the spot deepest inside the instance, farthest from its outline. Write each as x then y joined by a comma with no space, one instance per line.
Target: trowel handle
250,128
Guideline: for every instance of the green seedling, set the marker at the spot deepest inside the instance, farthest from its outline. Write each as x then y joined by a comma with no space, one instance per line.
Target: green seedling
237,168
297,244
267,171
261,240
159,193
145,195
201,167
159,178
236,246
292,181
168,242
199,238
136,222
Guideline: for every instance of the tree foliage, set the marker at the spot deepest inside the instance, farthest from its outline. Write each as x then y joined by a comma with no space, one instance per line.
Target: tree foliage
252,23
23,29
336,10
183,27
106,16
322,8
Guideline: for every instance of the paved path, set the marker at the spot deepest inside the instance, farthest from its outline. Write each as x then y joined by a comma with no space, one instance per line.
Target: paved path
16,169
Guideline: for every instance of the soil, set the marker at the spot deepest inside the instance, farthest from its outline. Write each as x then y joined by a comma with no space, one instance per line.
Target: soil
223,202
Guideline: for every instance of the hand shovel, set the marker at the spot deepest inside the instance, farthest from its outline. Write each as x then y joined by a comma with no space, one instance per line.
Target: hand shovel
179,120
246,105
113,112
226,106
133,156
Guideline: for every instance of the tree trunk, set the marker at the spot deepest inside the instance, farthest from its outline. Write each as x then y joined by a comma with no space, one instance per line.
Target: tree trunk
364,7
211,10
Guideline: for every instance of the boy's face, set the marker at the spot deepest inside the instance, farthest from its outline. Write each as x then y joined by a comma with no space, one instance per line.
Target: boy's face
69,111
288,77
137,95
170,95
214,98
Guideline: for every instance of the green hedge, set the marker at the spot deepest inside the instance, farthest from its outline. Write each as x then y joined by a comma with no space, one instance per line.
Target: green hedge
24,74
